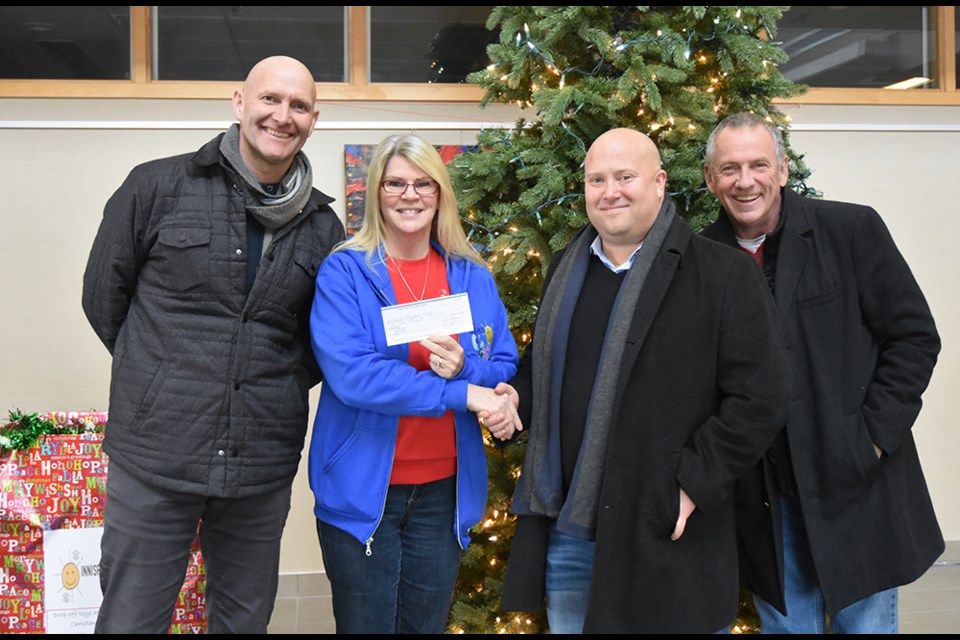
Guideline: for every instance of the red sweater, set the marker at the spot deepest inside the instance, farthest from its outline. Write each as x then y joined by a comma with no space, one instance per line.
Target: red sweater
426,446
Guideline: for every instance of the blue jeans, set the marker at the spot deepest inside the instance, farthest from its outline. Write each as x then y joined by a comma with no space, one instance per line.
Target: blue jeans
875,614
405,584
569,569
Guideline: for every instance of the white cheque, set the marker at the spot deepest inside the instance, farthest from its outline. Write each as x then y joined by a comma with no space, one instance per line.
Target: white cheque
418,320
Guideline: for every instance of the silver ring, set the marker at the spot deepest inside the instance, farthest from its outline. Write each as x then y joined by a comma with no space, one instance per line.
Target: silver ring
439,363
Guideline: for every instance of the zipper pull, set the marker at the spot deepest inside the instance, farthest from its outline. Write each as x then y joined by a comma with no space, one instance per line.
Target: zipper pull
368,543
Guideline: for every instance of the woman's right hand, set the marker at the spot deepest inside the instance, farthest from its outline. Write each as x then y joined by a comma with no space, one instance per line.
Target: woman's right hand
497,411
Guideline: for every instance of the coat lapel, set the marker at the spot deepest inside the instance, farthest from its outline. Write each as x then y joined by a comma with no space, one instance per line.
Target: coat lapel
795,245
654,289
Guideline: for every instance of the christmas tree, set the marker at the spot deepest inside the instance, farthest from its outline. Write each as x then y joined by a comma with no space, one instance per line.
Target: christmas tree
670,72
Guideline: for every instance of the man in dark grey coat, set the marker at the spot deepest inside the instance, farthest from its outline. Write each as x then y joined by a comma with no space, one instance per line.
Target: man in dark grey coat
200,283
837,515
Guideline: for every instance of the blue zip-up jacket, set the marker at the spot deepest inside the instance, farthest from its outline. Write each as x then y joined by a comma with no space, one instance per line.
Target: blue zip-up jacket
368,386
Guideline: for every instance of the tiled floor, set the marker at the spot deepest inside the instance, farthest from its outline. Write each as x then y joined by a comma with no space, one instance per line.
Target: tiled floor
929,605
932,603
303,605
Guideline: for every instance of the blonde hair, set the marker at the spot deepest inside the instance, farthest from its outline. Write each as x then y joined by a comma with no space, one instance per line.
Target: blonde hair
446,229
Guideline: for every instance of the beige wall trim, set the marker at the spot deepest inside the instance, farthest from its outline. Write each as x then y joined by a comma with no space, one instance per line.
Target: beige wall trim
394,125
333,125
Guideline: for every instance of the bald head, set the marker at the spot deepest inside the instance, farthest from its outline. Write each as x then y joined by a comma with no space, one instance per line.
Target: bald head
277,112
628,141
281,67
624,189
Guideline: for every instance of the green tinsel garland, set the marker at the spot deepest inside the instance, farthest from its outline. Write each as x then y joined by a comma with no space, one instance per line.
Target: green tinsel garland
24,430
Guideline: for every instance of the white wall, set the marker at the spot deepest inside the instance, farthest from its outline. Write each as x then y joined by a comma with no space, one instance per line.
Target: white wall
903,161
61,160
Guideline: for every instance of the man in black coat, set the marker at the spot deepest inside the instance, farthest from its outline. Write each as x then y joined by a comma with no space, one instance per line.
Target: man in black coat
837,514
653,381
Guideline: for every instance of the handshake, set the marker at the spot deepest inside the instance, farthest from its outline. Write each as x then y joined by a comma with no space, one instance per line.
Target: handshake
496,409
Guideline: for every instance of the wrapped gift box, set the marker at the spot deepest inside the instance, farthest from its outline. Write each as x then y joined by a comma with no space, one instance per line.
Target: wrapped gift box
51,515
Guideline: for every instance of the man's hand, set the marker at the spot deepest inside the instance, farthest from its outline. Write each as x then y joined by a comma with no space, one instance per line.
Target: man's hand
686,508
505,389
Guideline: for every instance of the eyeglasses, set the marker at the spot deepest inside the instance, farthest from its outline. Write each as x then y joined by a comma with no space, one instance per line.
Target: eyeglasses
421,187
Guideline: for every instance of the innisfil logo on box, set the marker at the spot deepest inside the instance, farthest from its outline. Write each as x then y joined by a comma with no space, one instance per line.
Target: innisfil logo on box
71,573
72,579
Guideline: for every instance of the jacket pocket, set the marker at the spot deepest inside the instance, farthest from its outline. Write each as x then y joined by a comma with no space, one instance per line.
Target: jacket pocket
186,253
308,263
150,394
817,300
295,279
353,478
655,491
847,462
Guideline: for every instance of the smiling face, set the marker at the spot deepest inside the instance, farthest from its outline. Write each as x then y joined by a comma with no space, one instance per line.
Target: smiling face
746,177
70,576
277,112
408,217
624,188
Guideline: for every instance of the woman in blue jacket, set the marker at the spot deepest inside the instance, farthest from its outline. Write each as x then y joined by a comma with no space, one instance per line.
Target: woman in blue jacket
397,461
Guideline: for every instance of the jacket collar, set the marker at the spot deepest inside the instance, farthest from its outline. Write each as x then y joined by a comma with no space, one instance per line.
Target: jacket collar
209,155
378,275
658,281
796,243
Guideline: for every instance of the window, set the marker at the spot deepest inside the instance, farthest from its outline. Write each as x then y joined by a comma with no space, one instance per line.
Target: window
859,46
65,43
849,55
222,43
428,44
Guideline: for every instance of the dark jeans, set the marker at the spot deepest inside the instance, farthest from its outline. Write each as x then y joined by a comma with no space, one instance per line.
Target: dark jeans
145,551
405,584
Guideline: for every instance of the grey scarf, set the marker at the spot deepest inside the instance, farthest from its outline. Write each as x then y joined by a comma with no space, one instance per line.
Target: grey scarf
540,490
272,211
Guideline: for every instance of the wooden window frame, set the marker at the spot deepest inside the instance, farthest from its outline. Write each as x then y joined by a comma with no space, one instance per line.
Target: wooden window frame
359,87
